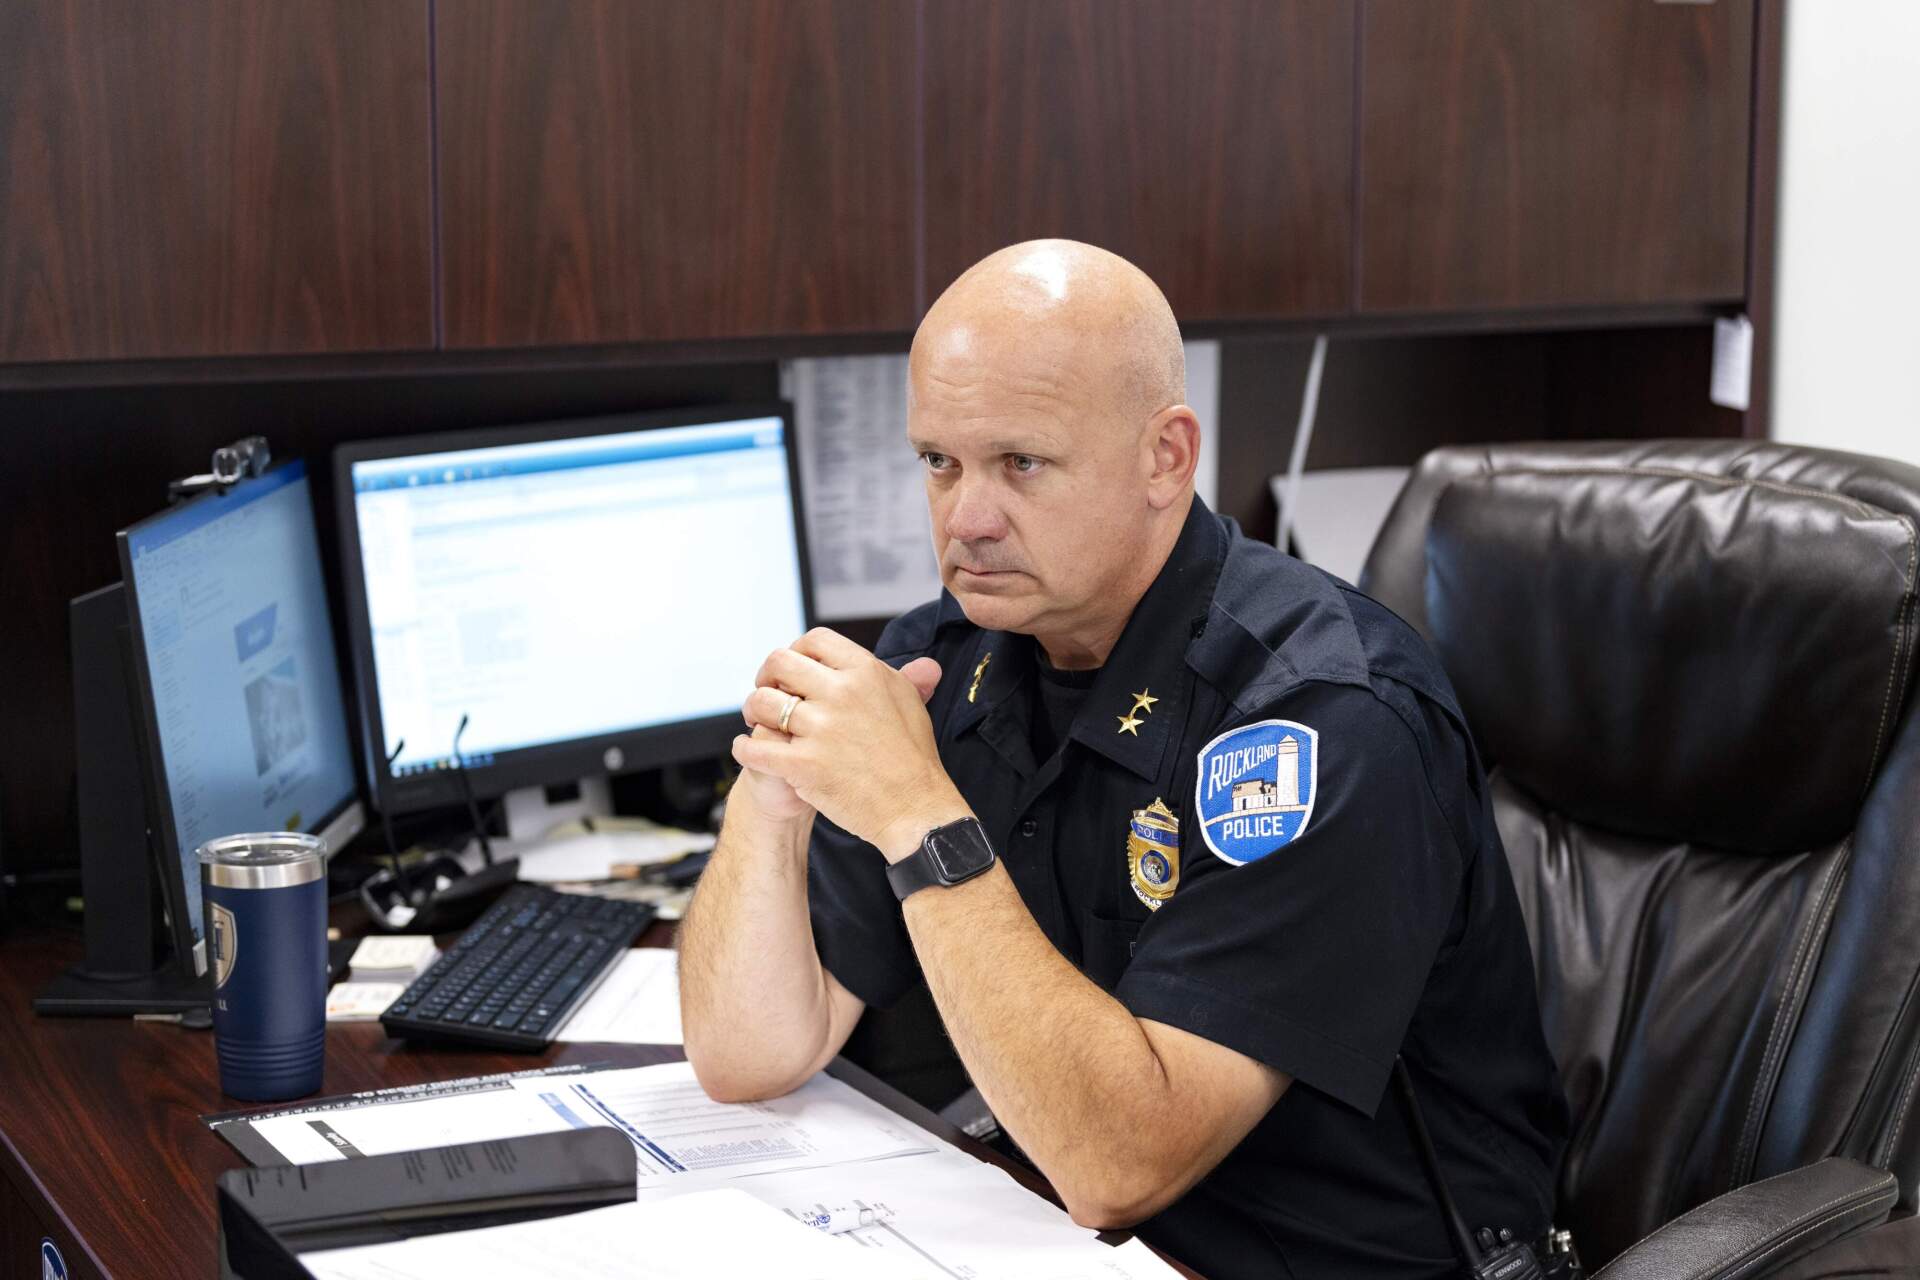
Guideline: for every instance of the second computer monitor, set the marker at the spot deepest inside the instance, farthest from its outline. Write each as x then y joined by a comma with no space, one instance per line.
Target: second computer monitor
591,596
245,723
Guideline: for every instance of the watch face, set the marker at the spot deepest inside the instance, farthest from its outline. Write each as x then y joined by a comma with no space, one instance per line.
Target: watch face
960,850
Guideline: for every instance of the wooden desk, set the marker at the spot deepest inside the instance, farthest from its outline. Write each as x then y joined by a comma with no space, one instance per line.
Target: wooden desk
101,1144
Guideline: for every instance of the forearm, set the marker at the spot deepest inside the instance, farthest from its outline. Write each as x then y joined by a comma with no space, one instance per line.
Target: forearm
1122,1114
757,1015
1068,1071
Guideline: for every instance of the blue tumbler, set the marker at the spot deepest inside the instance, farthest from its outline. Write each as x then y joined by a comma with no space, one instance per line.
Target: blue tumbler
266,928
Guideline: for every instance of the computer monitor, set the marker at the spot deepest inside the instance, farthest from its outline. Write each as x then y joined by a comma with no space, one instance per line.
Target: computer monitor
593,596
237,680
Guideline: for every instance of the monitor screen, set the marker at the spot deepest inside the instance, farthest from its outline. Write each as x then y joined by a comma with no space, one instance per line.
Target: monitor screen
574,584
234,644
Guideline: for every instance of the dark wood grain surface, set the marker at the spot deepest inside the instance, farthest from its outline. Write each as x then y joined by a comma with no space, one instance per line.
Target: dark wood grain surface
1518,154
101,1117
1208,142
623,171
212,177
103,1149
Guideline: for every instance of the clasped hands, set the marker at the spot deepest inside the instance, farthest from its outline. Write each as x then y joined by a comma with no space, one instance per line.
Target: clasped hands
858,746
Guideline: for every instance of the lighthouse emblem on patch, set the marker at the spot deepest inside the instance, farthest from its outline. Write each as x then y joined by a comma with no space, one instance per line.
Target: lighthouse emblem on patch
1255,788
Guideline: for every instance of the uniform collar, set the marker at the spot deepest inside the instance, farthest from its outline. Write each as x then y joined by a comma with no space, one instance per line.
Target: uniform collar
995,667
1149,659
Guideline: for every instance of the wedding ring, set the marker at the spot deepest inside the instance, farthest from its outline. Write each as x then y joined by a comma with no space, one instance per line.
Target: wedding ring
786,712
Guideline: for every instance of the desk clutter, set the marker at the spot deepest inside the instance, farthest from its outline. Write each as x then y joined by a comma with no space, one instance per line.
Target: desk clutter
476,690
378,972
508,1175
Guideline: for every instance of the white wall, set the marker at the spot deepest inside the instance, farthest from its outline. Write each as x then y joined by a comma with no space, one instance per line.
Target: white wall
1846,372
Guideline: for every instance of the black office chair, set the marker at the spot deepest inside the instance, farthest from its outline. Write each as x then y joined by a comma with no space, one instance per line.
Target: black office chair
1688,664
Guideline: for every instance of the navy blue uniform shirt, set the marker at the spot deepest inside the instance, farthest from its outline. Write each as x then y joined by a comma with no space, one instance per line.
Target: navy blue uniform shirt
1322,888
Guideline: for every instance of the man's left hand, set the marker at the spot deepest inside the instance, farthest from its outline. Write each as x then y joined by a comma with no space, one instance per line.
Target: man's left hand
859,745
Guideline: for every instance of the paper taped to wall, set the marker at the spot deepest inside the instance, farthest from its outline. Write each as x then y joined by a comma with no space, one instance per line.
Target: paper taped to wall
866,508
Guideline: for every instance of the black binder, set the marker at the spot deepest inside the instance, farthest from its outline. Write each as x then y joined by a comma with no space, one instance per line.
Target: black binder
271,1215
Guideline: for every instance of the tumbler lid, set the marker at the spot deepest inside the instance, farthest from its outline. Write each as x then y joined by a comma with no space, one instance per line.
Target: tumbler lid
263,859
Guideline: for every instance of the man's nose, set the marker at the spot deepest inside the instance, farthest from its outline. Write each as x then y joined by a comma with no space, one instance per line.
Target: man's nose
973,514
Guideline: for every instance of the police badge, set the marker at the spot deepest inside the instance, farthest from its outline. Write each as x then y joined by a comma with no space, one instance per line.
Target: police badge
1153,853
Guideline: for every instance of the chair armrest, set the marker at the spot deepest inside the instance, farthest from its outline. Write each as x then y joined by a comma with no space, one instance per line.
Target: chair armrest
1760,1227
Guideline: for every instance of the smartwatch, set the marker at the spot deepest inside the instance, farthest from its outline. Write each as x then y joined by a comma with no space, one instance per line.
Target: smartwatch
958,851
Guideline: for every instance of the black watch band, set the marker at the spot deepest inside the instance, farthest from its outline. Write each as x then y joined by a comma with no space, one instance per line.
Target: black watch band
947,855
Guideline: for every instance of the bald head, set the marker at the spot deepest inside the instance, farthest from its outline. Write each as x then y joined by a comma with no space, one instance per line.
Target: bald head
1047,392
1097,319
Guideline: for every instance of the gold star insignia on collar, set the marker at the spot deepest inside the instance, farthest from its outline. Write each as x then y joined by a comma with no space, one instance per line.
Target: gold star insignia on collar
1128,725
1143,701
978,671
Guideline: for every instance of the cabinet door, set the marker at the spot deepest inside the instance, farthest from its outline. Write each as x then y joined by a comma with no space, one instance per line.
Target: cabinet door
640,170
1525,153
212,177
1208,141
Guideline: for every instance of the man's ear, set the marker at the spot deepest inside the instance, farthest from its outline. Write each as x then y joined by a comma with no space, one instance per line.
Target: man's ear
1173,444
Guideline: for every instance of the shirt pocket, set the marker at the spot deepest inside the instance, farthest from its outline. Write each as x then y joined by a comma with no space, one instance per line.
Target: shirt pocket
1108,948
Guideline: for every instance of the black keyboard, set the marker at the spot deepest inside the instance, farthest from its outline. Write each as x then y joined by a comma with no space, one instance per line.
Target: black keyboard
518,971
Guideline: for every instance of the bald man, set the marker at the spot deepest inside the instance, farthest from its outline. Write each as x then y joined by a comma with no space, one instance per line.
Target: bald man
1187,838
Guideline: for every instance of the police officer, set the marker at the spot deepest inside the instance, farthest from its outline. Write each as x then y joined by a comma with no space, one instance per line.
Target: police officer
1188,839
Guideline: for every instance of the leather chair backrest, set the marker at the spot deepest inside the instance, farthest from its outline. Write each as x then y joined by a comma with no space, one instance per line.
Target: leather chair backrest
1688,662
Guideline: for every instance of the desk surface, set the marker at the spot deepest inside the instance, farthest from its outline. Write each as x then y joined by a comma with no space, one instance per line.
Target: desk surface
100,1130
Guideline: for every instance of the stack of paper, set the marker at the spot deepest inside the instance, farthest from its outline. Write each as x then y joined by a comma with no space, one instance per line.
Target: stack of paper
381,968
398,957
603,855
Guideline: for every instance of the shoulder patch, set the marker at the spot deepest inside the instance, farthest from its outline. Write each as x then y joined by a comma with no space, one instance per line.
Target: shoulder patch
1254,788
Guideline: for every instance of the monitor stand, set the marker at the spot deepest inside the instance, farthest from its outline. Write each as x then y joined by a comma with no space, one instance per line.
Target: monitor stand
534,811
131,966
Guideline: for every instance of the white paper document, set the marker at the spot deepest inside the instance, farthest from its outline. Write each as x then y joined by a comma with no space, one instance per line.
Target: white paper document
593,856
638,1003
866,505
674,1127
724,1189
953,1217
947,1211
396,957
382,1128
694,1237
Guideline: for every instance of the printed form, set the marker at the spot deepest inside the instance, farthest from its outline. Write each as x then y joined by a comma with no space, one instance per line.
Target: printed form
675,1128
945,1212
695,1237
724,1189
991,1234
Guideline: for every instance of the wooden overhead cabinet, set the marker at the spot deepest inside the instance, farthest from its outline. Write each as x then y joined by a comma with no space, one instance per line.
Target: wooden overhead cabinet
1210,142
1533,153
649,170
213,177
